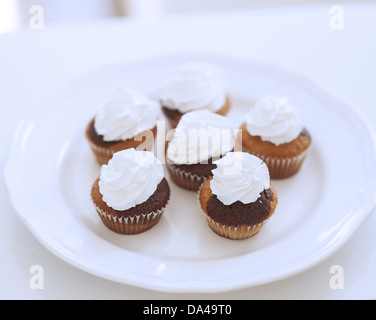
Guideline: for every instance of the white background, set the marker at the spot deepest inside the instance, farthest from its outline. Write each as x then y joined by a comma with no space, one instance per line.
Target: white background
34,64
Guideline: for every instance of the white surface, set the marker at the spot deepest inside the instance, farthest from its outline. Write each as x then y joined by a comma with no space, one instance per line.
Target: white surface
300,40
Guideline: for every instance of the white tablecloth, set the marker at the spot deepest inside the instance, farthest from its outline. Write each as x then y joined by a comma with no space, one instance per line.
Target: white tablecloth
34,64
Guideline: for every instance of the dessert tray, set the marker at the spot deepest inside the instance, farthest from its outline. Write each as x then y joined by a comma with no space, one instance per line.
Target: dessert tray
50,171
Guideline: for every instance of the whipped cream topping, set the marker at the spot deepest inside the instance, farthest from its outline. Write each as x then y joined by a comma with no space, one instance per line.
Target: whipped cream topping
125,115
130,178
199,136
195,86
275,119
239,176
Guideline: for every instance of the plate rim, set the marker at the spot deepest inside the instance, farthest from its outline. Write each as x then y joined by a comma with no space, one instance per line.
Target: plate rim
192,287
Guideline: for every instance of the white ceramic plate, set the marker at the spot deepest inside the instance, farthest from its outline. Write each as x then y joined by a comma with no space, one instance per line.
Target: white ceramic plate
50,171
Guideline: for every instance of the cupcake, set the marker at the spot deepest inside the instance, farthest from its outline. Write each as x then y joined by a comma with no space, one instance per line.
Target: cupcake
274,132
196,86
126,120
200,138
239,199
131,192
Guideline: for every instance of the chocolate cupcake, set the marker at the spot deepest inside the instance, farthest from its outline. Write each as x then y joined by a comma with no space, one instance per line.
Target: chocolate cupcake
274,132
131,193
127,120
238,200
196,86
200,138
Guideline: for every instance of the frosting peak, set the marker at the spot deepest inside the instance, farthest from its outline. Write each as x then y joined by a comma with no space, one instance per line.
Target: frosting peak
239,176
125,115
195,86
275,119
199,136
130,178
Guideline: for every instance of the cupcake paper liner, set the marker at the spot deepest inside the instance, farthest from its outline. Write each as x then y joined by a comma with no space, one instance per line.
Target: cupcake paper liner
102,155
280,168
186,179
234,232
130,225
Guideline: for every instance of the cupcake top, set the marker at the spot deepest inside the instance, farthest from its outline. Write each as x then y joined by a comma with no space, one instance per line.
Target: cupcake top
275,119
195,86
201,135
239,176
125,115
130,178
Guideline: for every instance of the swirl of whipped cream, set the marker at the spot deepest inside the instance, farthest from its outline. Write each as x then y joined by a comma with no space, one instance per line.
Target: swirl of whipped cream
130,178
199,136
125,115
195,86
239,176
274,119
